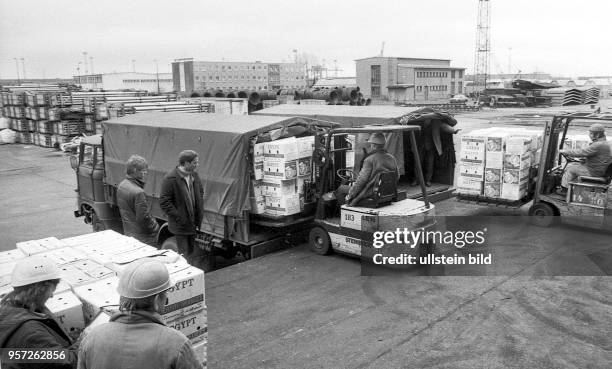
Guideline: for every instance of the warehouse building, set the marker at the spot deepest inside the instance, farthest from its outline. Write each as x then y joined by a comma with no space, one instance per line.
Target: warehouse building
408,79
152,82
196,76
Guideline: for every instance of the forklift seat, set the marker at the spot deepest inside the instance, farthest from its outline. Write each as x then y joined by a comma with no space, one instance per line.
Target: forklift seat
603,180
384,191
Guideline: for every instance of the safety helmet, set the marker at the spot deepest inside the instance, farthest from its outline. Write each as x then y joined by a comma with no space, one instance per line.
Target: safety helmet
143,278
377,138
596,127
33,269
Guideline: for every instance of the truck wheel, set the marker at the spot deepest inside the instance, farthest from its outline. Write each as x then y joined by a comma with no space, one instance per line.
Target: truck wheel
96,224
170,244
319,241
542,214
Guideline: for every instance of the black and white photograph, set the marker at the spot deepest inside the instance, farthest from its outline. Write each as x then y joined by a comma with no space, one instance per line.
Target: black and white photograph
315,184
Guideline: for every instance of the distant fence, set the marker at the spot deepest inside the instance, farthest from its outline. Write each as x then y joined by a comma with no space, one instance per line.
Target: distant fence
456,108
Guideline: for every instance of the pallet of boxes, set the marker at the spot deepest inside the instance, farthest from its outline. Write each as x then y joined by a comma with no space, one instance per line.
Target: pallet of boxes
282,171
498,164
87,293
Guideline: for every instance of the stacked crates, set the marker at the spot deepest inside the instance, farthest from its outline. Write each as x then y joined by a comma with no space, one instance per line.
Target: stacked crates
497,163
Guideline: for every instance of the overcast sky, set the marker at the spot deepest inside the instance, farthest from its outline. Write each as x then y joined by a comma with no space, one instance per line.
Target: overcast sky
558,37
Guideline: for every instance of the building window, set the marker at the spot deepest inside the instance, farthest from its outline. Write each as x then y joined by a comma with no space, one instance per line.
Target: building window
375,91
459,87
460,75
375,73
452,74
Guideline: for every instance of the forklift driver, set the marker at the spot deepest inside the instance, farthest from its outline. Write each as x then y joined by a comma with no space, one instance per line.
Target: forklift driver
598,157
378,161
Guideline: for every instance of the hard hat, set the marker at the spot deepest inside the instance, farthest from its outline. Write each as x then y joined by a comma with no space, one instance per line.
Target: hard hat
33,269
377,138
596,127
143,278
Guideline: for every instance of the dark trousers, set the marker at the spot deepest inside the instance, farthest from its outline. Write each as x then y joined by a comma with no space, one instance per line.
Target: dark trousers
187,247
428,158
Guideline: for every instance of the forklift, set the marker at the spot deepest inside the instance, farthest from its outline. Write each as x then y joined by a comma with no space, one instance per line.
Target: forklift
350,230
588,202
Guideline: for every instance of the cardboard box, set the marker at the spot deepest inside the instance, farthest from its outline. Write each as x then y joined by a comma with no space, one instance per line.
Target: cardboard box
37,246
193,326
492,190
258,170
514,191
517,161
11,255
279,187
282,206
495,159
496,142
187,294
93,269
518,145
68,311
304,166
200,349
64,255
258,189
305,146
469,185
97,295
258,204
493,175
514,176
280,169
475,170
258,158
285,149
74,276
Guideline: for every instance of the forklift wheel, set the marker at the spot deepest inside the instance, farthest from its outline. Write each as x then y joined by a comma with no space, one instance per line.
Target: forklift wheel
319,241
542,214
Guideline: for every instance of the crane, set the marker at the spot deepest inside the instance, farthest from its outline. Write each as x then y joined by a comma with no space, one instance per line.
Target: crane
483,45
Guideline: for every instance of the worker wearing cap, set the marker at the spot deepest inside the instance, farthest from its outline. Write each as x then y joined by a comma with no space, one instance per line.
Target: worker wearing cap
25,321
137,336
598,157
378,161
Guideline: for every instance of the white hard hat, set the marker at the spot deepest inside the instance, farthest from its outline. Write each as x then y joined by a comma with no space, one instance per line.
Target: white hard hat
143,278
33,269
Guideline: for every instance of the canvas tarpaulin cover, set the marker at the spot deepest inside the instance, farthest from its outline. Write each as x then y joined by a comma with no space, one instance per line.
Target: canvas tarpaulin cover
353,116
222,142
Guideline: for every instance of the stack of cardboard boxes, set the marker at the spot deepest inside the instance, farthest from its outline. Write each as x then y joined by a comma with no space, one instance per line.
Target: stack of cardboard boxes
496,162
89,266
281,169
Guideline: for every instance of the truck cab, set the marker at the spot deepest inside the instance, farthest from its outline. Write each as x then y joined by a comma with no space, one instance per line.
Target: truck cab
93,194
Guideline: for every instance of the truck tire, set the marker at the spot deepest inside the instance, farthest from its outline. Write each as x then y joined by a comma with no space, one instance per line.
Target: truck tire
542,214
319,241
96,224
170,244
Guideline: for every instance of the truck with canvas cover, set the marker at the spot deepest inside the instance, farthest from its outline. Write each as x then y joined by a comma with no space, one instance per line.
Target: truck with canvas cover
256,173
432,123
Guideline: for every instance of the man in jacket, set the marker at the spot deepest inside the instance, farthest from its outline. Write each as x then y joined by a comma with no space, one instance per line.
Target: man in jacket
137,336
132,202
25,322
181,199
598,157
377,162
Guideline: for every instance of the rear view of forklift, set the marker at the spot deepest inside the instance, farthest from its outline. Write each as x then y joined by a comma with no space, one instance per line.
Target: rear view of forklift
588,202
352,230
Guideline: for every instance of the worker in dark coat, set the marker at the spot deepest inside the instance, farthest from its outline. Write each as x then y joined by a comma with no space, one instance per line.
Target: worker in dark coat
598,156
25,321
377,162
132,203
181,199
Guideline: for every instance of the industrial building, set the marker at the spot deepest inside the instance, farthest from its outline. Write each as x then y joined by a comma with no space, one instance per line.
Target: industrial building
152,82
408,79
195,76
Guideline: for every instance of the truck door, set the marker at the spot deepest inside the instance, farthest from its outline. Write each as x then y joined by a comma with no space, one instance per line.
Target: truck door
90,173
